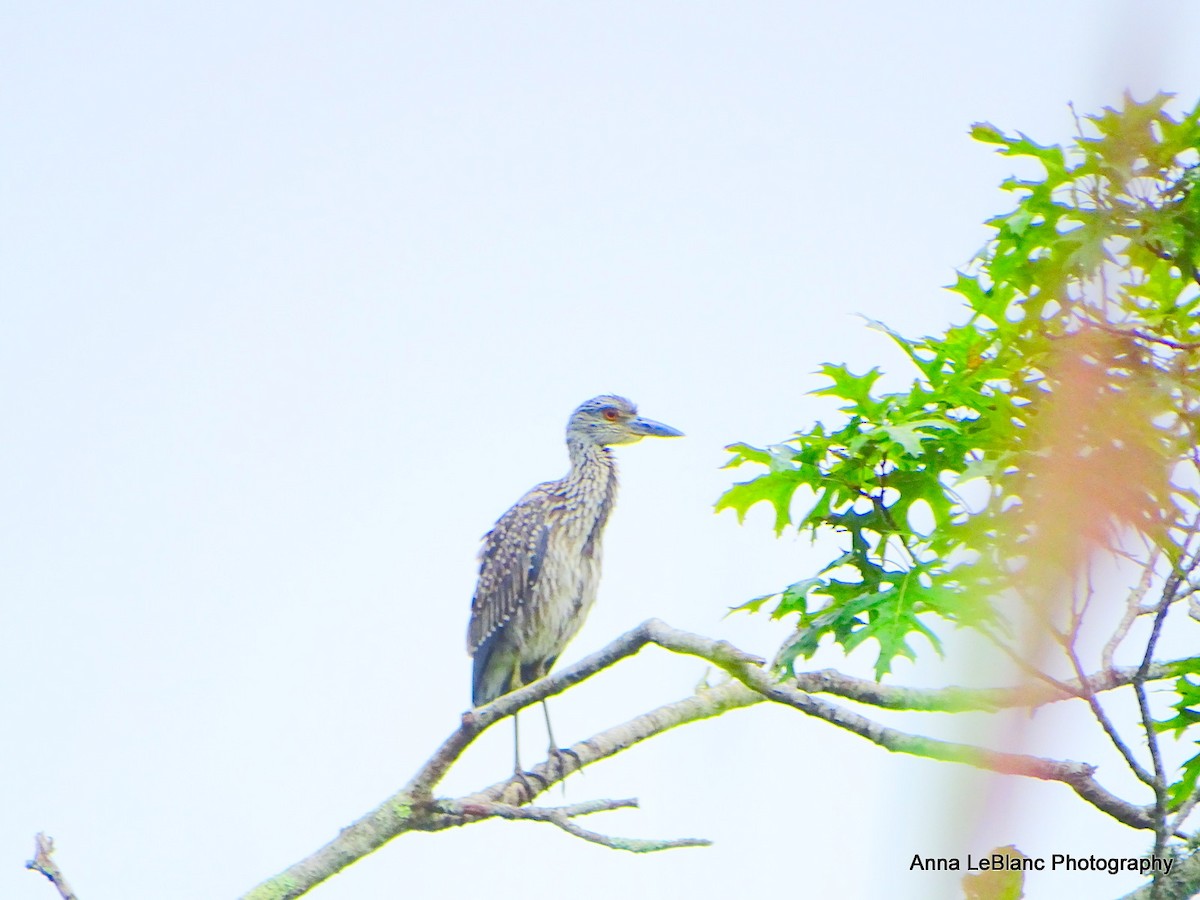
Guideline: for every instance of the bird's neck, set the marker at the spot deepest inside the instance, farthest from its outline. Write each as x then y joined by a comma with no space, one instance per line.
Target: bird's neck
590,489
593,474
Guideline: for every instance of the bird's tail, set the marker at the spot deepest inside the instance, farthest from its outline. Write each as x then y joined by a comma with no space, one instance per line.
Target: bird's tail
495,665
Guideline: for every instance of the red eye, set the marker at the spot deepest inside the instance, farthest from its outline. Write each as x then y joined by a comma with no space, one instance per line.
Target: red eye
611,414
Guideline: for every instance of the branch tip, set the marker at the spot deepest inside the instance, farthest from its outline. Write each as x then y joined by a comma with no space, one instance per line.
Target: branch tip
43,849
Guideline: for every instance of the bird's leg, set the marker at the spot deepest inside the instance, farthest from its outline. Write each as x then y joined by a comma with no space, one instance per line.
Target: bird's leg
516,744
557,753
520,774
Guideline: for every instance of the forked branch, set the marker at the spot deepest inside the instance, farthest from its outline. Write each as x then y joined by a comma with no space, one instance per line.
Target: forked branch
414,807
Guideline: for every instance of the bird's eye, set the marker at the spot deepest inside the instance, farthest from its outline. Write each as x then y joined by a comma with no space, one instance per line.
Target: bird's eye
610,413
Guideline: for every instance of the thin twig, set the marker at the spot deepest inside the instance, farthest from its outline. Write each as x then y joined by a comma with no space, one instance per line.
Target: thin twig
1135,332
1068,645
1165,255
1159,784
1185,810
1133,609
631,845
1170,594
1079,610
1161,828
1021,663
1109,729
42,862
563,816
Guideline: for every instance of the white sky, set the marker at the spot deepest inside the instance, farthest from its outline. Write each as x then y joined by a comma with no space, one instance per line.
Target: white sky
297,298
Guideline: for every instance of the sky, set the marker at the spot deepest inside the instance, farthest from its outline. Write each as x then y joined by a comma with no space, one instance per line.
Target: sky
297,299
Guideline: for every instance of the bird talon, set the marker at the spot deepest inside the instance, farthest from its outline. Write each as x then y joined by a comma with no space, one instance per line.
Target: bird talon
557,754
523,778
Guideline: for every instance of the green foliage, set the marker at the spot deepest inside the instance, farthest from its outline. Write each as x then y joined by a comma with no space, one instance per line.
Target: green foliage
1187,714
1070,392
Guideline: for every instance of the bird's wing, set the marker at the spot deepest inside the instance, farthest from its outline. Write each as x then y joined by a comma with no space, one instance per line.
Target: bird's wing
510,561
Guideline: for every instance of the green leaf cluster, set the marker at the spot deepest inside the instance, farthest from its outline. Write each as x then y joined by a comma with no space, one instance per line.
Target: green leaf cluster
1187,715
1069,395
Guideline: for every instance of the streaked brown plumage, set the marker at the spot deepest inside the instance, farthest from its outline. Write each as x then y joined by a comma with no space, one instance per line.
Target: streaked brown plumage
540,564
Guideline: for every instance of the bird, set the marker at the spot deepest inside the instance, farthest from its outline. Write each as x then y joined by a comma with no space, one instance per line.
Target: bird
539,566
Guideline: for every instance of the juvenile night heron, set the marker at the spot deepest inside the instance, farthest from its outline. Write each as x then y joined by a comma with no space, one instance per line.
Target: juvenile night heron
540,564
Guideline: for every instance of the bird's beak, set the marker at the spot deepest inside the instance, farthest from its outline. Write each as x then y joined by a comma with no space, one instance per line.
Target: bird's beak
650,428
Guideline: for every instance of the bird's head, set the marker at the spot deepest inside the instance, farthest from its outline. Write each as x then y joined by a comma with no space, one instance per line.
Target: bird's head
609,419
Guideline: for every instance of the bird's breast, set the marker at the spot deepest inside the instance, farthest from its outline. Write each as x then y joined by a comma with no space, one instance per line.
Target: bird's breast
563,595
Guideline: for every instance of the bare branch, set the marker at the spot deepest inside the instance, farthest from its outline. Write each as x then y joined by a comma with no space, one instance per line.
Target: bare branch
1024,665
413,808
1162,832
1133,609
632,845
1078,776
476,721
562,816
1143,335
404,812
478,809
1184,811
745,669
958,699
42,862
706,703
1105,723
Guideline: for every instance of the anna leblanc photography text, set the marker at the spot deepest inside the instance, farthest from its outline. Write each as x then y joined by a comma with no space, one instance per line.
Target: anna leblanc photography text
1113,865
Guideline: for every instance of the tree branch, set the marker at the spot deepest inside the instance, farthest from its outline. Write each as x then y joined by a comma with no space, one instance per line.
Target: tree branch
404,811
562,817
1133,609
43,850
959,699
1142,334
1182,883
414,808
1106,724
1078,776
1185,810
1162,829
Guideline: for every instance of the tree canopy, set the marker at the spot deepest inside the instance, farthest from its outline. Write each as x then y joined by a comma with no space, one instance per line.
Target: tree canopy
1055,427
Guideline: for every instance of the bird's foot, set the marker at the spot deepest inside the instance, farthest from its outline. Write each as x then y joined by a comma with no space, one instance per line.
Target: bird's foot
557,757
523,779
